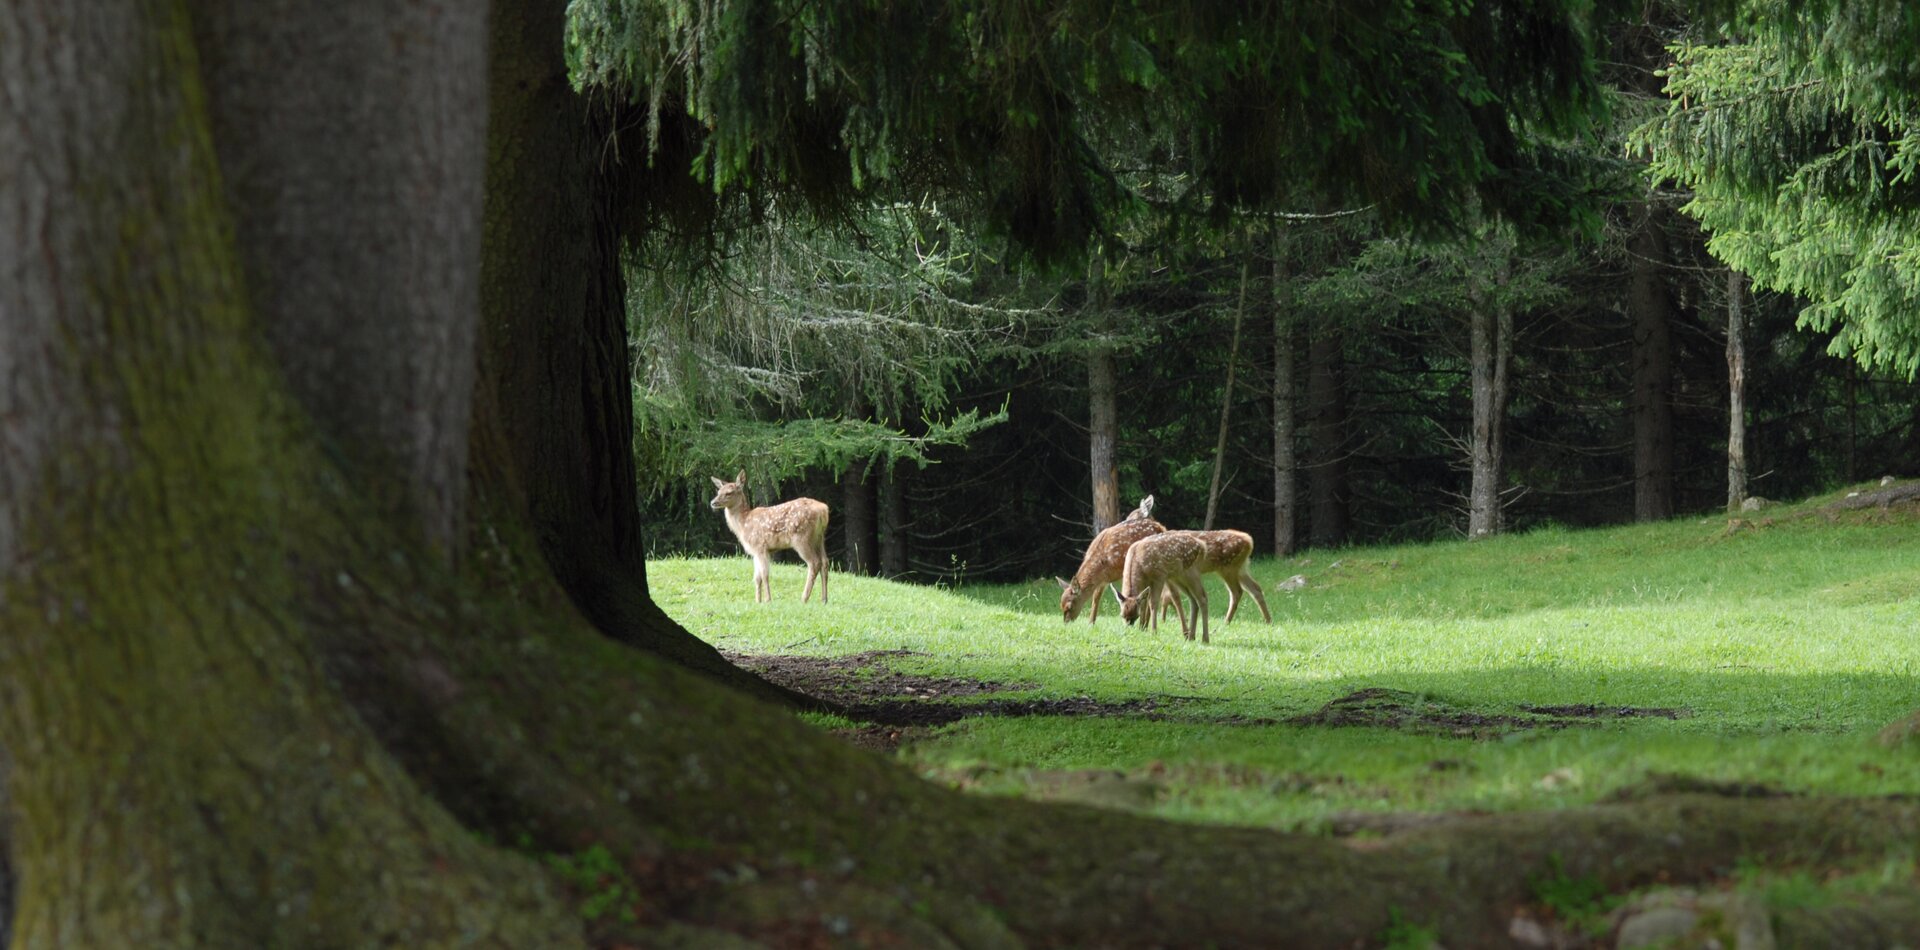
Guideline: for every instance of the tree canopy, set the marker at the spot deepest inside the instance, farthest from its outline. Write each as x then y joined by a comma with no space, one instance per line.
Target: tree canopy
1799,143
1415,107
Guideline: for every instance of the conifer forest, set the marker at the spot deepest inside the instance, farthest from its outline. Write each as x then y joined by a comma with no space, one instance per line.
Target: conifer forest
396,399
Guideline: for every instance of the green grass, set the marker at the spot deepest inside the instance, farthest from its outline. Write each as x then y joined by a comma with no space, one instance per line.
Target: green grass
1787,647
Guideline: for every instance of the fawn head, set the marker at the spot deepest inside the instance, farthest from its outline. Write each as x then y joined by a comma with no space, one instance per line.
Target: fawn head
1070,594
1130,607
728,494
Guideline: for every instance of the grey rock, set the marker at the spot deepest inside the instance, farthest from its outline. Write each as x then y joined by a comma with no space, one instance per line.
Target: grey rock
1754,503
1295,582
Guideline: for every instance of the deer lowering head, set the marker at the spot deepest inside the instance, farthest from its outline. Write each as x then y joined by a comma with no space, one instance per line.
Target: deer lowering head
1102,564
799,525
1165,562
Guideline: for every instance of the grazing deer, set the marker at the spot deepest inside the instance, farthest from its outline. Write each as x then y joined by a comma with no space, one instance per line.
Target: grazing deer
800,524
1103,562
1159,565
1219,552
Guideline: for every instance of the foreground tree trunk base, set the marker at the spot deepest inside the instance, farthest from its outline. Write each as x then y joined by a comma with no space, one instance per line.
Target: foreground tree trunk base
732,815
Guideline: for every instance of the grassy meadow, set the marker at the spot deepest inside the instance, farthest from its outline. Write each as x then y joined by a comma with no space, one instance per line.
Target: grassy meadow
1778,650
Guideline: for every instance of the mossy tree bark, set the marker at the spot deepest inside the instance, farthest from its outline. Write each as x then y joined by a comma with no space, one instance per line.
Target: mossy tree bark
183,773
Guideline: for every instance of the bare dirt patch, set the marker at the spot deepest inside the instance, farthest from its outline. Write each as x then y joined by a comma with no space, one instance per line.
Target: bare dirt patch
1409,712
1592,711
862,677
897,703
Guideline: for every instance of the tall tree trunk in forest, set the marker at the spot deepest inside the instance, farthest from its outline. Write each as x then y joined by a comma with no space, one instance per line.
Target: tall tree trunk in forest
857,517
1492,355
553,405
1103,415
893,522
1736,391
183,771
1226,398
1652,316
1327,433
1286,349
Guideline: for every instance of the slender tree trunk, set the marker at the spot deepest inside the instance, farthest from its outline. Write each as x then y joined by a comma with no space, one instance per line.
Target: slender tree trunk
1492,354
1736,391
1286,349
1226,398
1103,387
857,514
893,522
1327,433
1652,308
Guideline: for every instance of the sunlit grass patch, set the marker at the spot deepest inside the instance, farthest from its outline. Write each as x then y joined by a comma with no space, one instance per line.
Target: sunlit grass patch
1779,649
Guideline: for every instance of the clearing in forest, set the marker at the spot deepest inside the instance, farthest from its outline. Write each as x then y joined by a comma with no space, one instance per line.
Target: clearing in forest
1552,668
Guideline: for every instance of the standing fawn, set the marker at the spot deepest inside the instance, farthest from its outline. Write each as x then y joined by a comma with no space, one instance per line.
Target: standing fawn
1160,564
1226,555
800,524
1103,562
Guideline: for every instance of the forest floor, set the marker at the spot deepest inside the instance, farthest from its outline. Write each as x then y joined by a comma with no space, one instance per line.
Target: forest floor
1757,656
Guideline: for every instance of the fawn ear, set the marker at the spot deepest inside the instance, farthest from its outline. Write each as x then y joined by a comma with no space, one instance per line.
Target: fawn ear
718,483
742,477
1063,584
1146,505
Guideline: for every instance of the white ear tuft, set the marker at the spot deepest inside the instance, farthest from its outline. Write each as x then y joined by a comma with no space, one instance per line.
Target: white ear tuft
718,483
1063,584
742,477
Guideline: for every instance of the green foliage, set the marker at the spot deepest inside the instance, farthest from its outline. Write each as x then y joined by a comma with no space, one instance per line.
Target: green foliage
606,891
1580,902
783,449
771,355
1800,147
1022,108
1404,934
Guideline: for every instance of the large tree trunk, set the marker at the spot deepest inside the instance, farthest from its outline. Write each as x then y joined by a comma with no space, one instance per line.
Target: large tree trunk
346,287
183,772
1652,313
1286,349
1327,433
245,706
1103,414
553,408
1492,354
1736,391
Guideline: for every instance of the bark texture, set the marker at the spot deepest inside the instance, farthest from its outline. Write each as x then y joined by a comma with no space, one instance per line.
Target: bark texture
1327,433
314,170
553,407
1103,412
1736,391
151,560
1286,465
1491,358
1652,305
